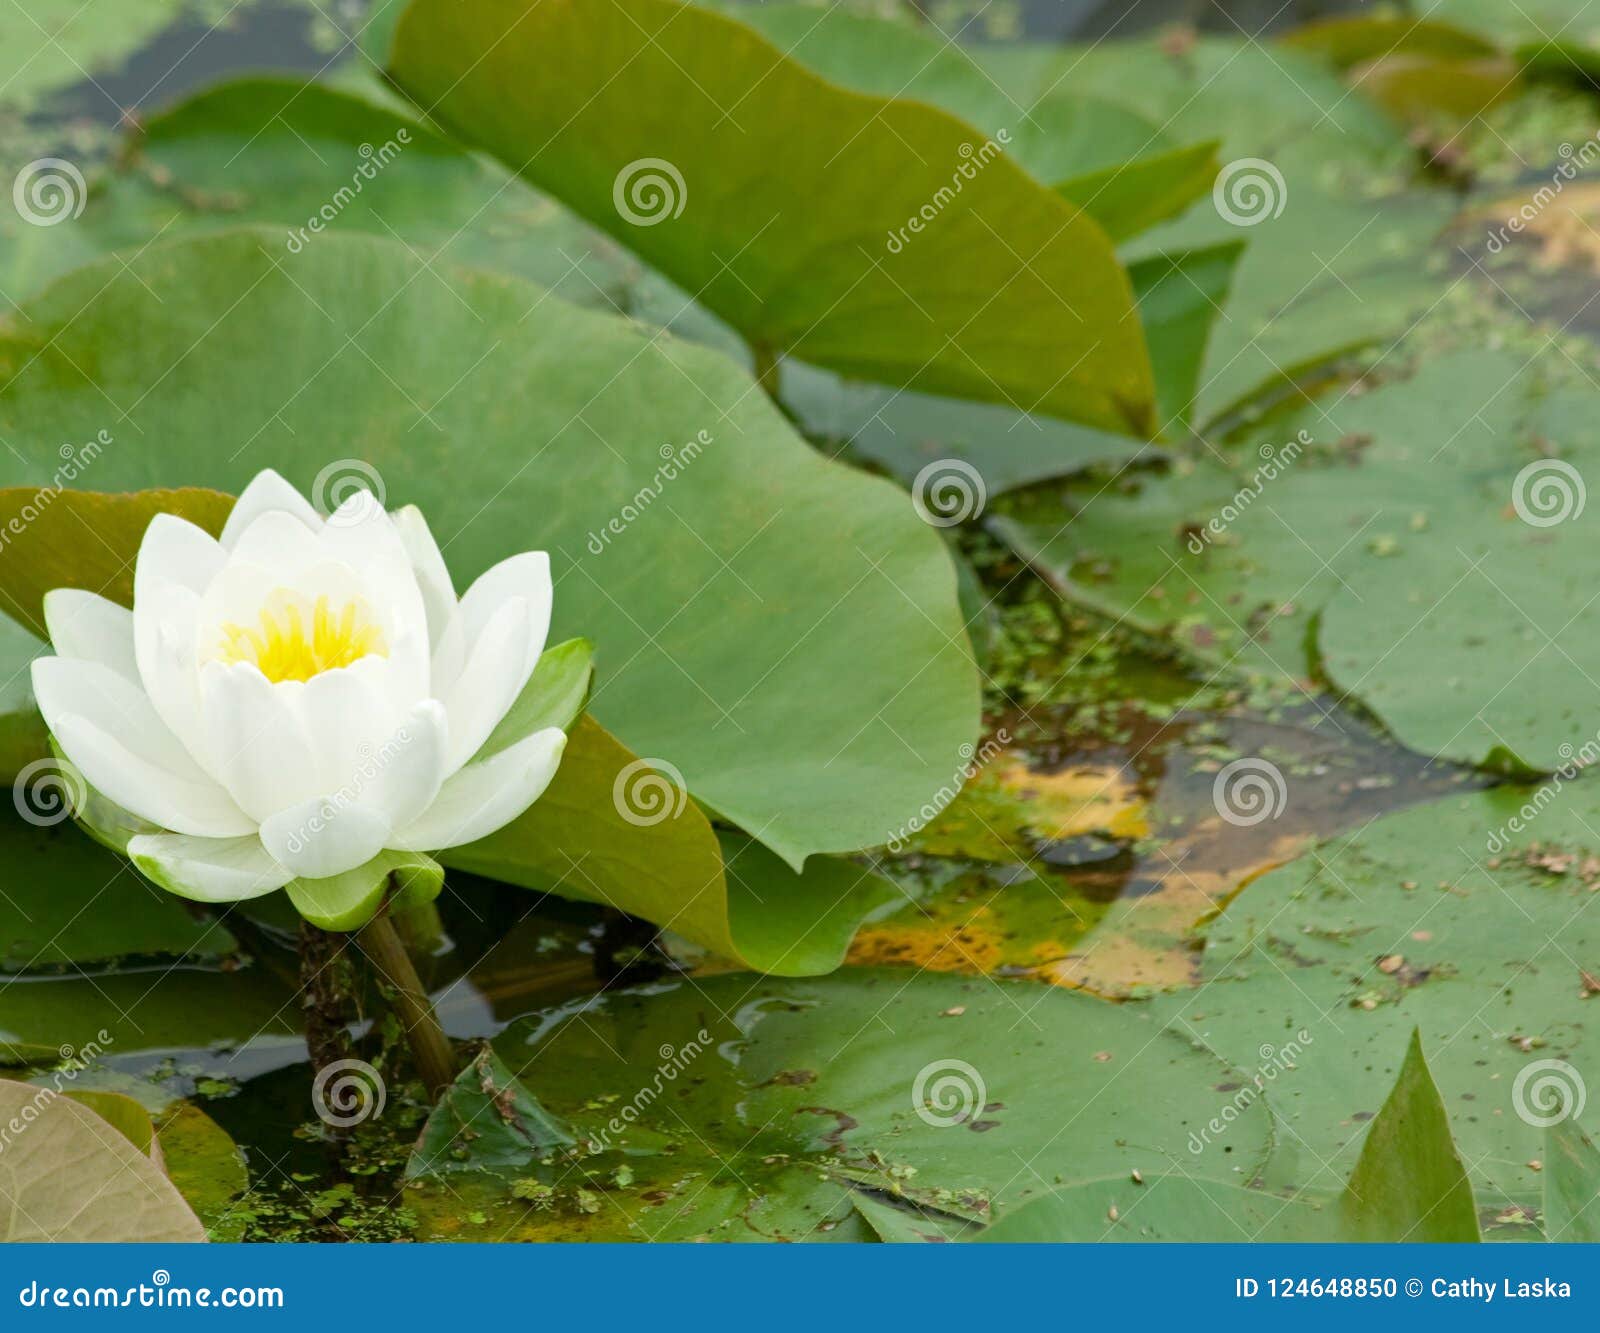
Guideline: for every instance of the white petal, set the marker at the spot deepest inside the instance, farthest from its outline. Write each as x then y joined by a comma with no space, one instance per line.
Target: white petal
110,700
433,578
348,714
173,550
324,836
449,656
280,541
495,673
526,576
165,616
85,625
267,493
107,728
208,870
484,797
408,770
259,748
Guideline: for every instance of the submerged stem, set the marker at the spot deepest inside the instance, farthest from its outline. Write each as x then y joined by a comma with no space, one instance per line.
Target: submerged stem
430,1049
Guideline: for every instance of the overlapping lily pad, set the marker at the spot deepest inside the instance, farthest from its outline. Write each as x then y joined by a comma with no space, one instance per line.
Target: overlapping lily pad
1235,551
517,422
743,1109
677,160
1471,919
308,159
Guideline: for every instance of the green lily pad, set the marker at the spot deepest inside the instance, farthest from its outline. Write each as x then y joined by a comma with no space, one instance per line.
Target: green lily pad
1132,197
79,1179
621,831
487,1121
737,1108
1040,320
985,449
1316,177
206,1166
693,602
125,1116
22,732
1233,553
1571,1184
163,1008
1169,1209
53,44
308,159
1409,1184
1470,919
64,901
1477,644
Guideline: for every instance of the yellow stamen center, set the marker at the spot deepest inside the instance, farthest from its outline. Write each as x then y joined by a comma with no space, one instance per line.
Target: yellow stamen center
284,649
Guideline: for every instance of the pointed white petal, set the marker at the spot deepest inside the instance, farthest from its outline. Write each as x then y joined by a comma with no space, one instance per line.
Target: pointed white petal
484,797
164,618
433,578
267,493
494,675
526,576
173,550
85,625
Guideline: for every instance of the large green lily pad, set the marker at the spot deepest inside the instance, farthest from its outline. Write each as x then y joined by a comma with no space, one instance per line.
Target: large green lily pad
1316,179
1233,552
1005,291
307,159
743,1109
65,900
516,430
1471,919
1409,1186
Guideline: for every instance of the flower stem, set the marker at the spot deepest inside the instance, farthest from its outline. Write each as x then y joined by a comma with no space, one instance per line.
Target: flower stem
430,1049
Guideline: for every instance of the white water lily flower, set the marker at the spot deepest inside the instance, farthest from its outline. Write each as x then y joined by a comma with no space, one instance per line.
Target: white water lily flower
301,700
